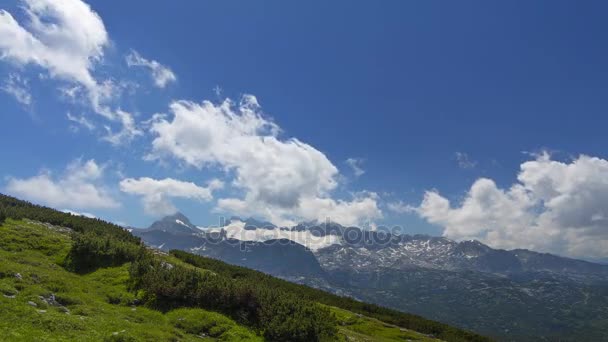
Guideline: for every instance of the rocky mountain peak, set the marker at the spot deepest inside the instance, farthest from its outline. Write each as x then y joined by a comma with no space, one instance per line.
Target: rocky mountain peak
176,223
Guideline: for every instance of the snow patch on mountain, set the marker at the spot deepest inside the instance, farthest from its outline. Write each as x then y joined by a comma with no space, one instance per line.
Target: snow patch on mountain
182,223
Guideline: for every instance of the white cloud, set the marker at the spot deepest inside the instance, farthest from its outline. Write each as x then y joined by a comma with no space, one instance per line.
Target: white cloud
127,132
65,38
81,121
160,73
156,193
236,230
78,187
355,165
399,207
464,161
18,87
357,211
76,213
555,206
283,180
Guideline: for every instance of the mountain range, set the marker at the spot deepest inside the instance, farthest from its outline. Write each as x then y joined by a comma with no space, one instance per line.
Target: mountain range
512,295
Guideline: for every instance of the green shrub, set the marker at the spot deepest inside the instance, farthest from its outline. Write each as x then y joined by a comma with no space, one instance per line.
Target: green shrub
279,315
91,251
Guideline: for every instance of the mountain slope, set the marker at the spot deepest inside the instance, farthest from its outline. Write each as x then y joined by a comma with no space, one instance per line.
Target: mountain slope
90,280
43,301
511,295
177,223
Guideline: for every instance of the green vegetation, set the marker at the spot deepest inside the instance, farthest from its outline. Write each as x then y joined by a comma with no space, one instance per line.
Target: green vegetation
356,327
278,315
85,307
18,209
413,322
91,251
85,279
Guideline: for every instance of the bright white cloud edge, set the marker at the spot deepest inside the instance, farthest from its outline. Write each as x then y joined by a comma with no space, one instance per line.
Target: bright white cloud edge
78,187
67,39
284,180
554,206
156,193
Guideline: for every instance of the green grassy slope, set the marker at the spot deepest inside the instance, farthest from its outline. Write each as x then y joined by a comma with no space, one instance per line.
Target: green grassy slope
41,301
356,327
90,307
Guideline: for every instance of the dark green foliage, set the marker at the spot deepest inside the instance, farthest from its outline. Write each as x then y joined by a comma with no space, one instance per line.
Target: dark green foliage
286,317
90,251
262,280
18,209
279,315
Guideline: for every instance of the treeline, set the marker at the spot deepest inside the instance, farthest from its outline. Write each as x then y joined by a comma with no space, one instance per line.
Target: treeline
404,320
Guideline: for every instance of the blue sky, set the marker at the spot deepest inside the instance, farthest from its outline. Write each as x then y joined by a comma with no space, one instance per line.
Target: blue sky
422,97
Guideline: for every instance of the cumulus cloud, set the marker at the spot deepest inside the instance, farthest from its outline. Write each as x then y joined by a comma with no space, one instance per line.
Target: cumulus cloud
65,38
356,211
78,187
355,165
17,87
554,206
160,73
283,179
156,193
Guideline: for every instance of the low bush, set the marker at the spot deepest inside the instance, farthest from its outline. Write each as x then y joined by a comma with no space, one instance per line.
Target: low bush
278,315
90,251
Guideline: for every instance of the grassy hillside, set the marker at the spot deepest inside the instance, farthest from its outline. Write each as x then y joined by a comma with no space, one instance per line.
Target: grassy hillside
88,280
42,301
